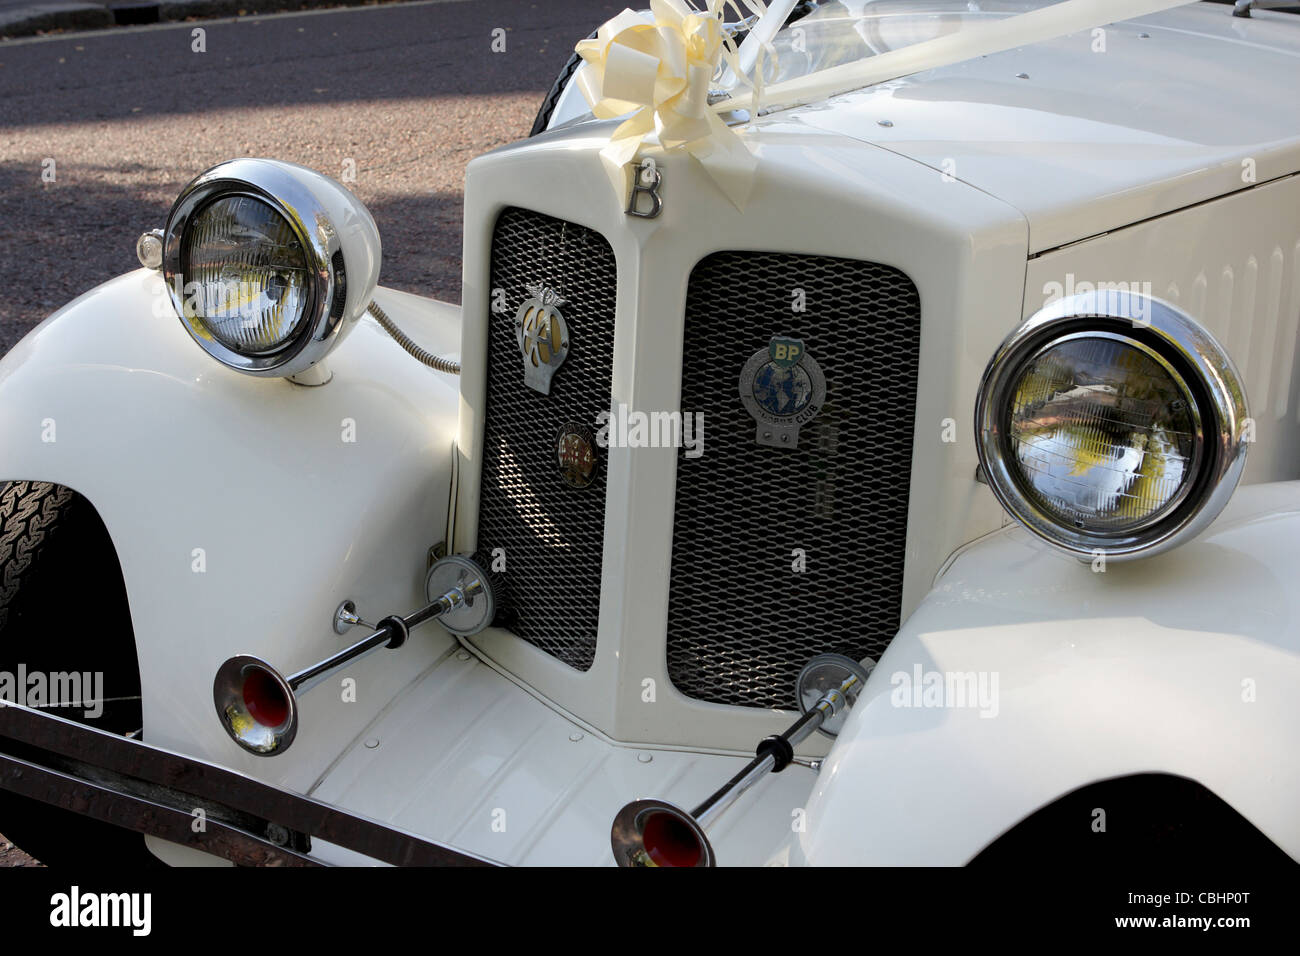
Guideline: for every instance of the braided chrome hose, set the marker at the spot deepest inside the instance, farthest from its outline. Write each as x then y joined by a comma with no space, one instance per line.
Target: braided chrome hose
436,362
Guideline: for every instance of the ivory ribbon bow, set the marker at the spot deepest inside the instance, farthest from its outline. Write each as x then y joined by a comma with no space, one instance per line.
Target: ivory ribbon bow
660,73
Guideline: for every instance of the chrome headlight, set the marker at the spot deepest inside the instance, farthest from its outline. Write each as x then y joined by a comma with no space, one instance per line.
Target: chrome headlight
1111,423
268,264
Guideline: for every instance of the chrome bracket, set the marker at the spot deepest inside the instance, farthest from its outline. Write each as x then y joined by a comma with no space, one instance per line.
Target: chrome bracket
346,618
825,675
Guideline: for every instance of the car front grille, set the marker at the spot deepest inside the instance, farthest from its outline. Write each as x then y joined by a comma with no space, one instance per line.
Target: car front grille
742,621
551,535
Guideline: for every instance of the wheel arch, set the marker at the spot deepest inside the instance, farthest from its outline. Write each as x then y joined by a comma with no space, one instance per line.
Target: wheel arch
74,546
1129,820
243,510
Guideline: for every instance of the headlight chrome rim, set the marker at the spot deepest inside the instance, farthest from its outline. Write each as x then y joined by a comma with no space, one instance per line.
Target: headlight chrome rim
279,188
1199,365
1195,403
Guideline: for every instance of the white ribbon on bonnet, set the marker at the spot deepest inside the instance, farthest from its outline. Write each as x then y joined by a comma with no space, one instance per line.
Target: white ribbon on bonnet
660,73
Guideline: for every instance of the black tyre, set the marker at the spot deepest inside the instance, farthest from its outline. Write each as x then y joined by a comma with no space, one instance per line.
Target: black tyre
63,608
553,97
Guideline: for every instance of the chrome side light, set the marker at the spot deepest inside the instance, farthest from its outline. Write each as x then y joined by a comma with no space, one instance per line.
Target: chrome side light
1111,423
268,264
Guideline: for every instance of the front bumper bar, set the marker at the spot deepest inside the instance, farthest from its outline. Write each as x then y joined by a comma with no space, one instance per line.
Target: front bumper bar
130,784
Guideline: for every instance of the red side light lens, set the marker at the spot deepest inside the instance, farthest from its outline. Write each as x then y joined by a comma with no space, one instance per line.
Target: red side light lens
265,699
670,842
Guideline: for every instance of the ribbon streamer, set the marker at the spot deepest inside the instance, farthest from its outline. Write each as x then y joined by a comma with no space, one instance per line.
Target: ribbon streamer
971,41
660,73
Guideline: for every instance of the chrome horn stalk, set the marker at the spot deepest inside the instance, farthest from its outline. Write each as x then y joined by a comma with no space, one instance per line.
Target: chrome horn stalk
658,833
258,706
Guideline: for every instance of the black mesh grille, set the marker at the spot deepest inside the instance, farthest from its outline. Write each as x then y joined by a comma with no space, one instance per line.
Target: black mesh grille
741,622
552,534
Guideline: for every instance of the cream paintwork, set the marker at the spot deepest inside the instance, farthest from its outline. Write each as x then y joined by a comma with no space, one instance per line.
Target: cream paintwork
479,762
169,446
1092,141
177,453
1179,107
1143,668
967,258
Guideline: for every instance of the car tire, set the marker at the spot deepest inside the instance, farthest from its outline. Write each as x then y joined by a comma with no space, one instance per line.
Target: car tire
55,554
553,97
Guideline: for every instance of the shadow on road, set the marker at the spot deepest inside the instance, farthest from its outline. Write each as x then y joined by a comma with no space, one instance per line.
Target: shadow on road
378,53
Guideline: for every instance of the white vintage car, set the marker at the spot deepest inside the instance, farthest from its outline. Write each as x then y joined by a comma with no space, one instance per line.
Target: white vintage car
870,435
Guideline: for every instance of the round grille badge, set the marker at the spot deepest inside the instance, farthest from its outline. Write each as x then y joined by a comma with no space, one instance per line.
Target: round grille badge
782,388
543,336
575,452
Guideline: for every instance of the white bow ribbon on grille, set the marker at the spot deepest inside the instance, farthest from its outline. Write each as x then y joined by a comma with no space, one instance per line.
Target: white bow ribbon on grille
660,73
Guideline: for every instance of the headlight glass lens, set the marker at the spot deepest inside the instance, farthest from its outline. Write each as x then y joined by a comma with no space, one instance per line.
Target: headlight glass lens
246,274
1103,434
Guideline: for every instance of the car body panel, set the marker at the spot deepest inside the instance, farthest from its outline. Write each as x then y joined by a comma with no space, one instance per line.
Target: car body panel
473,757
1091,140
177,453
1084,133
1184,664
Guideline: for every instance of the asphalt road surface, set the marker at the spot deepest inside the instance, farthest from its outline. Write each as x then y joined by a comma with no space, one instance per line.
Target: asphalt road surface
409,93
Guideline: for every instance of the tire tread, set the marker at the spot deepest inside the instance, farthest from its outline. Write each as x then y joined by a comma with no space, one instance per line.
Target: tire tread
29,517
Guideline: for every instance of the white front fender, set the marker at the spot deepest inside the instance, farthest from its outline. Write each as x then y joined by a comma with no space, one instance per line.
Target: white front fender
1187,663
243,509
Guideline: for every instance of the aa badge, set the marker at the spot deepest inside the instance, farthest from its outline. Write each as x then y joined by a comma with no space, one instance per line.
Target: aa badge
782,388
543,337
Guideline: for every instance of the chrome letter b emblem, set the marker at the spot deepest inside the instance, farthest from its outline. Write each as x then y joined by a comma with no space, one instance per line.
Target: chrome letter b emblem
543,337
645,181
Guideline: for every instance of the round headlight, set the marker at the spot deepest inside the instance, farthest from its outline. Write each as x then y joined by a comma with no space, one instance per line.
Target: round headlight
268,264
251,287
1111,423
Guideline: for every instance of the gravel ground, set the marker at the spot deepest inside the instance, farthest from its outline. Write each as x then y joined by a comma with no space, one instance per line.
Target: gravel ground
10,855
409,93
